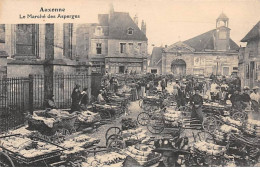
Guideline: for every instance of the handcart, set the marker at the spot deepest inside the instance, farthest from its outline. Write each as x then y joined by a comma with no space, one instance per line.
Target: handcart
11,158
151,103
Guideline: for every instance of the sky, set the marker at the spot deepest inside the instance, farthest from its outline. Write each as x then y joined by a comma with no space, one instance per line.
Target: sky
170,21
167,21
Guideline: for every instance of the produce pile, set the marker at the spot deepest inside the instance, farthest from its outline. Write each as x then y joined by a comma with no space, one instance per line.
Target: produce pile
213,104
222,133
252,127
27,147
78,143
134,134
143,154
111,159
173,118
231,122
89,117
209,148
49,117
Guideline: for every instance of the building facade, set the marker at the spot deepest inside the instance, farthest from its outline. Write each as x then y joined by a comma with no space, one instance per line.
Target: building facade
249,58
213,52
115,44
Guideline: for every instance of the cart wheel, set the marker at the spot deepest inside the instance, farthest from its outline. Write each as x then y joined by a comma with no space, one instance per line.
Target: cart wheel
111,131
115,143
156,124
209,124
143,118
105,115
5,160
239,116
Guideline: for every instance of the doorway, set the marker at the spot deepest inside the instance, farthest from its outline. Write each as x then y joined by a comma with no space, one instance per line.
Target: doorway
121,69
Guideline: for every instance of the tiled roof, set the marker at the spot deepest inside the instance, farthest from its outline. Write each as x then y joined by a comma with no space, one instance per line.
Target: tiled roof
205,41
156,56
119,23
253,33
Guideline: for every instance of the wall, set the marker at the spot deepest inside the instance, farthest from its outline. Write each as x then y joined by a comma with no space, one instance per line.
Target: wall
114,48
205,62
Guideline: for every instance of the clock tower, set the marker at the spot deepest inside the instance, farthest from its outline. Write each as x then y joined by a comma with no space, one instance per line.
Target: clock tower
222,34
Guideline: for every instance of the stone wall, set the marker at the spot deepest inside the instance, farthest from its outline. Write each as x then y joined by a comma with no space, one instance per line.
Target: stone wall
202,63
114,48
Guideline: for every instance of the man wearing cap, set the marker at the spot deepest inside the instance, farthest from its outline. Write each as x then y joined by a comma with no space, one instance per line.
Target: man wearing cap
213,90
245,97
197,102
49,103
222,95
255,99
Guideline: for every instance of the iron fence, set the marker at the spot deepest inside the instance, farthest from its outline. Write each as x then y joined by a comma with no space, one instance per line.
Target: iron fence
62,88
20,95
14,101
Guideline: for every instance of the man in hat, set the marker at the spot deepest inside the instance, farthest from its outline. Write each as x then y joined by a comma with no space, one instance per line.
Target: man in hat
197,102
181,97
245,97
236,100
255,99
176,86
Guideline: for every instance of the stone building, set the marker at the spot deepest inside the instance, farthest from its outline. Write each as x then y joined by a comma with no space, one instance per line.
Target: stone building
249,58
115,43
36,48
213,52
154,63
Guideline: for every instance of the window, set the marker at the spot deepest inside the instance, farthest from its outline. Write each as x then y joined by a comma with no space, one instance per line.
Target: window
67,40
130,31
247,71
121,69
26,39
98,31
154,71
122,47
140,48
2,33
99,48
131,47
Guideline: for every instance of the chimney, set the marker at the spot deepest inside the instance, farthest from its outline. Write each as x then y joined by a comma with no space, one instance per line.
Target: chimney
111,9
136,19
143,27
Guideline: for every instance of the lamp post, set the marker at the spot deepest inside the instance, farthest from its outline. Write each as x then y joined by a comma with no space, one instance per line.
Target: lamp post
218,59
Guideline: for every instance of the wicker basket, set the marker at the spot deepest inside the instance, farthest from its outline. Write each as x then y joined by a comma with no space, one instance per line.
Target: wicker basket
68,122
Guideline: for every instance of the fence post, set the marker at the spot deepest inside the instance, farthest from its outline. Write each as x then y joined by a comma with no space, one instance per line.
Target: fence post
31,93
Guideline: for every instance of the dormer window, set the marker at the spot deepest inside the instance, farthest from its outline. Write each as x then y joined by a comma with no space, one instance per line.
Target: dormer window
98,31
130,31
